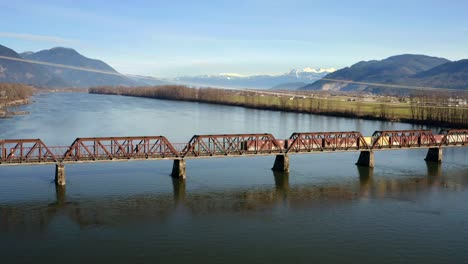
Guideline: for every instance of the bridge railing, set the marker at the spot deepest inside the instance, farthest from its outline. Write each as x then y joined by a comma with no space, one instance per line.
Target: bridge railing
454,137
325,141
180,147
111,148
231,144
403,139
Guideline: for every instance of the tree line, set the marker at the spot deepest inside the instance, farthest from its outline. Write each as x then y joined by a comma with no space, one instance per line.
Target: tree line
15,91
416,110
438,107
11,92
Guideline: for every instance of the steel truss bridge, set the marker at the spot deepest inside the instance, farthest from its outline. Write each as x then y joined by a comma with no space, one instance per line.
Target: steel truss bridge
100,149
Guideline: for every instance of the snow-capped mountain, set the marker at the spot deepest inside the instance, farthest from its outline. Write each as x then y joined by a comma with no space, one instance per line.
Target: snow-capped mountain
234,80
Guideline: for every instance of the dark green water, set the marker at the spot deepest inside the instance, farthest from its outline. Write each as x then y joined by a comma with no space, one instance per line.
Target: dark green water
236,210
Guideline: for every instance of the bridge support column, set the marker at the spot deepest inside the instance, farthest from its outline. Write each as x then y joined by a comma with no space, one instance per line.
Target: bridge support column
60,174
178,169
281,163
366,159
434,155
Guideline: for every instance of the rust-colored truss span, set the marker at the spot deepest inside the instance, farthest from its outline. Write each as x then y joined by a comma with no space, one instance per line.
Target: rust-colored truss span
326,141
232,144
403,139
119,148
34,151
25,151
454,137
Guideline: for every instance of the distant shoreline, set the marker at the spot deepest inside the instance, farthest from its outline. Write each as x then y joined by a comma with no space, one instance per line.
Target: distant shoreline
408,113
14,94
6,113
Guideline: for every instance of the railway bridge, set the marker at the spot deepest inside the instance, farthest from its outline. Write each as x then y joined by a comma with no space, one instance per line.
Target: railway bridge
102,149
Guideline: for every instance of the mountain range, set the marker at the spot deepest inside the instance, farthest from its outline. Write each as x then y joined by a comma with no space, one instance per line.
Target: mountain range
51,76
78,78
12,71
295,78
406,70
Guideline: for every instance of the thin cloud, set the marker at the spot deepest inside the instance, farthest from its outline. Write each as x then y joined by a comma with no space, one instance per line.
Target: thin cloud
33,37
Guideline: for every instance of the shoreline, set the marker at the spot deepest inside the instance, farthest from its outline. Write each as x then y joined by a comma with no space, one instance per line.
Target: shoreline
6,113
223,98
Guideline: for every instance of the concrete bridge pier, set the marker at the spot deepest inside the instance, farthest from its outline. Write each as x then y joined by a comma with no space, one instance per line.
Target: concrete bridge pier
434,155
281,163
60,174
366,159
178,169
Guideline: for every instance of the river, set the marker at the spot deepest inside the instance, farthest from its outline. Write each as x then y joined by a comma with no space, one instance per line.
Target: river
232,210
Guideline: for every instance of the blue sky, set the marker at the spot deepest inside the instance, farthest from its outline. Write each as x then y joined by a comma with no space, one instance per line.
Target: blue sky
174,38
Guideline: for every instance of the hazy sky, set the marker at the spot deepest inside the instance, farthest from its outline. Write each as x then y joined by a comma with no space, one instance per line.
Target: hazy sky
173,38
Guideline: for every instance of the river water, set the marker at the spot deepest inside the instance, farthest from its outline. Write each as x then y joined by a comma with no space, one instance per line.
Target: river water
233,210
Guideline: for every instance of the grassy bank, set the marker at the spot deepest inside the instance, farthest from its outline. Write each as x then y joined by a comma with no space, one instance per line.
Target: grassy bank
423,109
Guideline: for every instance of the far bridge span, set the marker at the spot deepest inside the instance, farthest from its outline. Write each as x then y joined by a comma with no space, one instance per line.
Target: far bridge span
35,151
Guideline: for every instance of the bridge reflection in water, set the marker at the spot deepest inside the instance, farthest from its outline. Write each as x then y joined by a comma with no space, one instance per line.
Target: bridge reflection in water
109,211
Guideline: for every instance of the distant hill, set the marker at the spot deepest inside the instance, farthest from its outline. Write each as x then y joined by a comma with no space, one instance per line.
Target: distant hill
232,80
452,75
26,73
393,70
289,86
148,81
77,78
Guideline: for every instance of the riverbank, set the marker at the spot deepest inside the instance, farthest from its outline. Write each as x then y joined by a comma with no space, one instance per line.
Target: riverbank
417,110
12,95
6,113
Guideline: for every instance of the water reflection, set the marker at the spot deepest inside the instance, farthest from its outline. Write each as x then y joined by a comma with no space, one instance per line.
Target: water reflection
119,210
179,187
434,171
60,194
281,184
366,176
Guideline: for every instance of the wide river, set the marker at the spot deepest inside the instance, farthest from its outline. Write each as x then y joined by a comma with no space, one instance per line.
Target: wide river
232,210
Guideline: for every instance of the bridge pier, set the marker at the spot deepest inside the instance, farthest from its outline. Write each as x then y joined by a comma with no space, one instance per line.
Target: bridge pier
434,155
60,174
366,159
178,169
281,163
